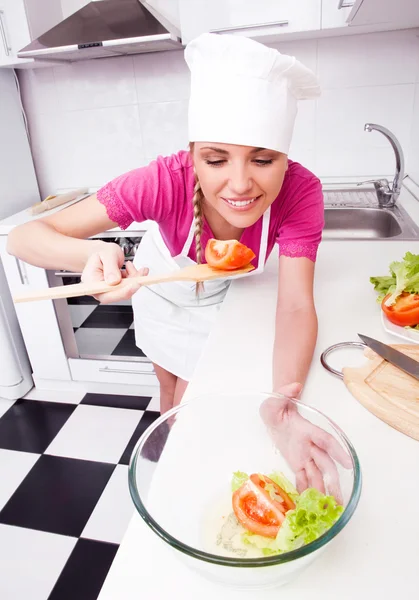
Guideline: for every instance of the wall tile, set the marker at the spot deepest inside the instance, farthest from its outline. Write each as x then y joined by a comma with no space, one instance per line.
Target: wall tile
304,50
341,143
164,127
161,77
38,89
413,156
92,120
96,83
371,59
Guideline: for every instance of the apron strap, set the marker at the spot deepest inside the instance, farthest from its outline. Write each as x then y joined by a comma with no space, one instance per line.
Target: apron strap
189,239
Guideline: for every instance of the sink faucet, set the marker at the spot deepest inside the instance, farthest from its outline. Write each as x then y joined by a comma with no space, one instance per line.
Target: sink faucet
386,194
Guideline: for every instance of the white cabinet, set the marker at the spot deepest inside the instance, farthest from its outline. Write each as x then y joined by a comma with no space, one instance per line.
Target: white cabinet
22,21
335,13
387,13
253,18
38,320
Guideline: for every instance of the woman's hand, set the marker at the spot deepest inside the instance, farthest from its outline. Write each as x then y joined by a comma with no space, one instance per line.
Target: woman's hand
309,450
105,265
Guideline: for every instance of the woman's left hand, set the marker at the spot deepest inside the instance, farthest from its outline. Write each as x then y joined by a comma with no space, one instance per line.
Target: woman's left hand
309,450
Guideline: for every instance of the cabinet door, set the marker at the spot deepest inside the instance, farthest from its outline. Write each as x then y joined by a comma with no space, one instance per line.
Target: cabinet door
387,13
14,30
38,320
249,17
335,13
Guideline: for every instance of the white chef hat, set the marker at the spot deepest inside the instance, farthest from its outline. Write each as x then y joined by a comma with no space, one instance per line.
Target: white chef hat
243,92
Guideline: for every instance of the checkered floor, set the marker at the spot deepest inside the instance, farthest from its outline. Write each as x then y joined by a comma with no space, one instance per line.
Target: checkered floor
64,499
104,330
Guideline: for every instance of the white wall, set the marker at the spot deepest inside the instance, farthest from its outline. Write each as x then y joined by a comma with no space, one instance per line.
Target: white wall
93,120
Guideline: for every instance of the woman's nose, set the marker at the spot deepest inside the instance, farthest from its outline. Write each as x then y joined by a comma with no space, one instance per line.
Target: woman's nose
240,182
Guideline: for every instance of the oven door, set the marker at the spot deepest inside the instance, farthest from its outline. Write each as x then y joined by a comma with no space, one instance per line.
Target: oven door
93,331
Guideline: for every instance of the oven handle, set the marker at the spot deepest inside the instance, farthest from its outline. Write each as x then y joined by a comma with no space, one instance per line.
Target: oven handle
110,370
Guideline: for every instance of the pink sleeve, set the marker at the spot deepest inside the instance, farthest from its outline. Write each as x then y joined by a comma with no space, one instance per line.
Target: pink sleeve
300,232
140,194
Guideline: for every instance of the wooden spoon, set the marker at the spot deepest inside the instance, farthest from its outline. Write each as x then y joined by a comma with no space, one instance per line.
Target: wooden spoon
193,273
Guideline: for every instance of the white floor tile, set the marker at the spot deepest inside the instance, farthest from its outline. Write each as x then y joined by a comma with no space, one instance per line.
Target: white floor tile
154,404
5,404
113,512
31,562
132,326
14,466
98,341
96,433
80,312
65,396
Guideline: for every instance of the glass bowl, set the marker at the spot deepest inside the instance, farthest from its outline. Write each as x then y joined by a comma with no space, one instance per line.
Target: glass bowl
180,476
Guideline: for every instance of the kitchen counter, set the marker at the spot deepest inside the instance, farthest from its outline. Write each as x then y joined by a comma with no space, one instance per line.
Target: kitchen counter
378,550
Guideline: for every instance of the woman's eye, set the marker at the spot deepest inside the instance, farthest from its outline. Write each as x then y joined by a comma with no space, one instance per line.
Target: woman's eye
215,163
263,162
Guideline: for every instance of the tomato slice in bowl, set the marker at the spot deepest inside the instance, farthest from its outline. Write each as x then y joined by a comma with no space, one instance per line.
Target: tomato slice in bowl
260,505
405,311
228,254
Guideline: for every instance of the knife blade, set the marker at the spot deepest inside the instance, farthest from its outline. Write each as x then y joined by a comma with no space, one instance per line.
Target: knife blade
396,358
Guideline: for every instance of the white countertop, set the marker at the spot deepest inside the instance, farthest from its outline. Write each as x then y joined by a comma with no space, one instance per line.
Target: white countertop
24,216
379,548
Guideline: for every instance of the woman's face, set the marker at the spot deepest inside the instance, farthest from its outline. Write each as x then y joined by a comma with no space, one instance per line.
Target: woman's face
239,182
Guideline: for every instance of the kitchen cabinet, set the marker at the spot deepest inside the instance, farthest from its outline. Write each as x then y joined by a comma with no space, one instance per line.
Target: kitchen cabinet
335,13
403,13
263,18
22,21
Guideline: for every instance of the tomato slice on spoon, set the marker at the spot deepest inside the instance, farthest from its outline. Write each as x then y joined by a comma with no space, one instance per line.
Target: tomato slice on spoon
260,505
228,254
405,311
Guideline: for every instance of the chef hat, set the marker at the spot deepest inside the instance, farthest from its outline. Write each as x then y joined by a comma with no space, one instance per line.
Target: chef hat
243,92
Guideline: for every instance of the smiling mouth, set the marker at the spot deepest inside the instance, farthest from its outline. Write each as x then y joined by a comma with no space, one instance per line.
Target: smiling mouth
241,203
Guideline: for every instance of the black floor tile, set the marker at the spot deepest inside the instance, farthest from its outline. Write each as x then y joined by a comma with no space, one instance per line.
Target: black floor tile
110,317
127,346
58,495
146,420
116,401
31,425
83,300
85,571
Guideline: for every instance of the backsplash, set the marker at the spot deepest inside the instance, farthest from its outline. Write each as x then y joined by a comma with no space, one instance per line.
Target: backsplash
91,121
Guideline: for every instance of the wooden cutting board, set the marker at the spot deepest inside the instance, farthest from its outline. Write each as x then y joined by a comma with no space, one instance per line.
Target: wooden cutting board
386,391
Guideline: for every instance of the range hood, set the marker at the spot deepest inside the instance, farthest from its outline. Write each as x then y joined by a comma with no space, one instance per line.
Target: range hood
105,28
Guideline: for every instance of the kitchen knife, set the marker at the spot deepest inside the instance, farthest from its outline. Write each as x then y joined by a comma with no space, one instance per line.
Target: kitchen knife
396,358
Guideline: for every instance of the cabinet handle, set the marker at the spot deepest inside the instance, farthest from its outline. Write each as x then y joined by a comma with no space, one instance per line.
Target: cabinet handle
256,26
64,274
22,272
345,4
108,370
7,48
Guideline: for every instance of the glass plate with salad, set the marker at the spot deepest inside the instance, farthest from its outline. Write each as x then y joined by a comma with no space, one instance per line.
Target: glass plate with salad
398,295
185,485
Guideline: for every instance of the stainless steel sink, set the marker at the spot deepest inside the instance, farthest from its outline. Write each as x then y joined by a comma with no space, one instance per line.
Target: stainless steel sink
355,215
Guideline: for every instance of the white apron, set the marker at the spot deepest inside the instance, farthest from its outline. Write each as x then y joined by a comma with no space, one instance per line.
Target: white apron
171,324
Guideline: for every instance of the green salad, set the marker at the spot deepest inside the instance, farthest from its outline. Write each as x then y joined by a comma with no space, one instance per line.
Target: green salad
273,517
398,293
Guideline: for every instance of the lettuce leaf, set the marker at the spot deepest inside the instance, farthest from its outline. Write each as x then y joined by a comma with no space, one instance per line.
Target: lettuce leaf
284,483
313,515
404,277
238,479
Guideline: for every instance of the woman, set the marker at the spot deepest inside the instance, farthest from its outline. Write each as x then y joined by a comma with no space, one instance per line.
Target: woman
236,182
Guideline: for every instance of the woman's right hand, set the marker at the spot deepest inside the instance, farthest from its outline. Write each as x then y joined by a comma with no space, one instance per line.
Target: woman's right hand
105,265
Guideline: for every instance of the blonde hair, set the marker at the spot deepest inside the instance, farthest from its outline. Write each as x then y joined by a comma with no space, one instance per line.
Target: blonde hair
197,201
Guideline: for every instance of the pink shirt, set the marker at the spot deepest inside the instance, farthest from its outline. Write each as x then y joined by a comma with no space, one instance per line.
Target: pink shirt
163,190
